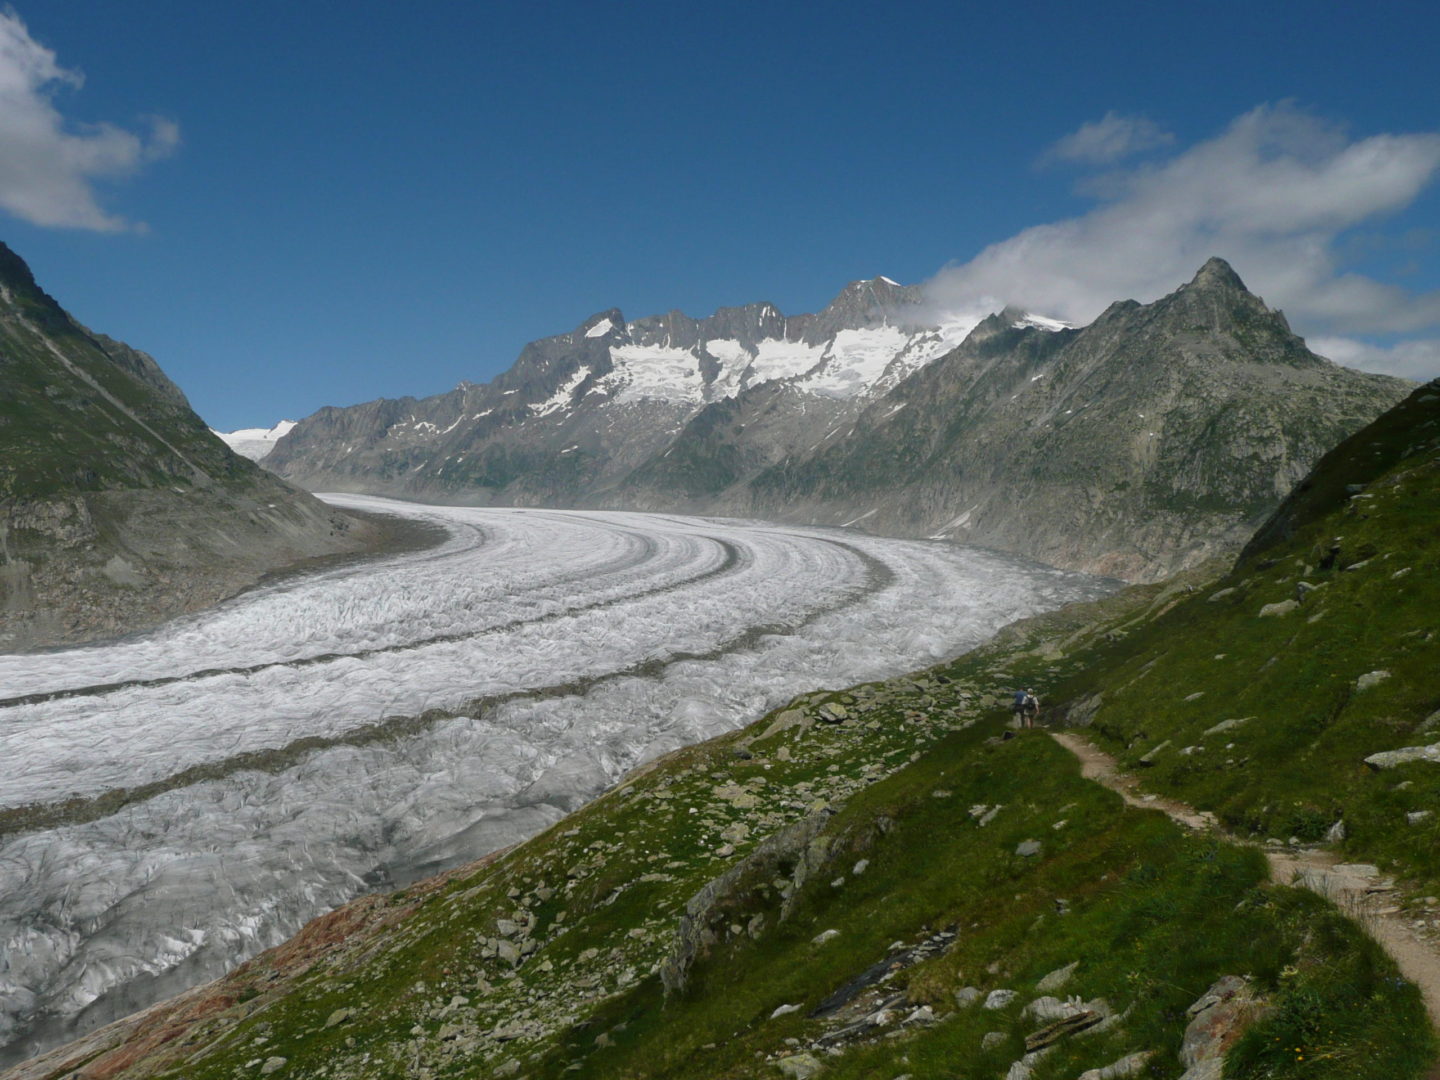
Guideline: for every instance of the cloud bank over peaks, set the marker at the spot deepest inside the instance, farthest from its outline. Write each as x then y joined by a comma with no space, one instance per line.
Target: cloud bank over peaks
48,165
1275,194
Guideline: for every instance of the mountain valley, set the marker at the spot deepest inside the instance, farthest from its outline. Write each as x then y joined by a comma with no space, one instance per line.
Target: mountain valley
889,878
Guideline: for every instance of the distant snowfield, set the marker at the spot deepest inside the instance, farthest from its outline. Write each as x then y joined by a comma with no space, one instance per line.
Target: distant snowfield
645,633
254,443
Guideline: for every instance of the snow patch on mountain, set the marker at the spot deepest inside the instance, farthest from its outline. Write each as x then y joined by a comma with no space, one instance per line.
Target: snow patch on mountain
855,361
254,443
778,359
561,398
1040,322
655,372
734,360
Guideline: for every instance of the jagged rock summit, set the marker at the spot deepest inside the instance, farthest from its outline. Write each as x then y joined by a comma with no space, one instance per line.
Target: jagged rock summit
118,507
1157,436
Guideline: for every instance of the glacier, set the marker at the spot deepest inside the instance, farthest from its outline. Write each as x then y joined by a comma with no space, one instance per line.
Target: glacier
206,788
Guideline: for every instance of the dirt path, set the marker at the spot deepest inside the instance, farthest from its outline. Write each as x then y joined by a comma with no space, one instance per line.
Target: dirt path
1358,889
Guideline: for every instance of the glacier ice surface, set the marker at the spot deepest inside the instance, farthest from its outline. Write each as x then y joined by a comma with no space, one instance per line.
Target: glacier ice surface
649,631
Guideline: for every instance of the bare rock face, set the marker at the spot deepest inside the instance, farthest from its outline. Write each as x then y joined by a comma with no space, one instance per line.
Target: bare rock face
118,507
1218,1018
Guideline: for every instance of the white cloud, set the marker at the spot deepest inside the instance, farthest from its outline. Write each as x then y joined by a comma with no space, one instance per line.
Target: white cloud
48,165
1109,139
1272,194
1418,359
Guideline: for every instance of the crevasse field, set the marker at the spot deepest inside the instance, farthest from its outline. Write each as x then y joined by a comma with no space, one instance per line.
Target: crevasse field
512,673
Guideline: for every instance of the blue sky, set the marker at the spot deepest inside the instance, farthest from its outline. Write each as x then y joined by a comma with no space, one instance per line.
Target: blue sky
293,205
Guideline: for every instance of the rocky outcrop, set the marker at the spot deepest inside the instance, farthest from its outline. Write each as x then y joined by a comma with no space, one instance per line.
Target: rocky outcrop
1218,1018
118,508
793,852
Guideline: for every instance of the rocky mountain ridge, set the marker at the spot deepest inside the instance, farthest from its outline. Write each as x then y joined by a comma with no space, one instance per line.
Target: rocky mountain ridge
118,508
1148,441
577,413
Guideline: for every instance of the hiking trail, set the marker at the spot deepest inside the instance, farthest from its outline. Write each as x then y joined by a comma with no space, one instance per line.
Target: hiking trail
1358,889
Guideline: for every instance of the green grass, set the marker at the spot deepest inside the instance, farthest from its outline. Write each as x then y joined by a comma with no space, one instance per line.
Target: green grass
1295,766
1153,916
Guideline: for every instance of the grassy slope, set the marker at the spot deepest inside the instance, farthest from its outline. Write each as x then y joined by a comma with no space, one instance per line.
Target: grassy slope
1153,916
59,434
1295,766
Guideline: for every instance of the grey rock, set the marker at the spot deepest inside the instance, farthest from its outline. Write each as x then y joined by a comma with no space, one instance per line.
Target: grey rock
1228,725
1049,1008
991,1039
273,1064
1282,607
1129,1065
1371,679
800,1066
1057,978
999,999
1218,1018
1149,757
1389,759
966,996
1028,848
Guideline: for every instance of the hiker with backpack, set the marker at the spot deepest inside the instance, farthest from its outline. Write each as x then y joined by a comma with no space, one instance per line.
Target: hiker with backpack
1030,707
1017,709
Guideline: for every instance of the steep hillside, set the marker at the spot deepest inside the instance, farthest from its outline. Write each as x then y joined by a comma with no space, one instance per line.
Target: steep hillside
117,506
1155,438
884,882
1295,697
